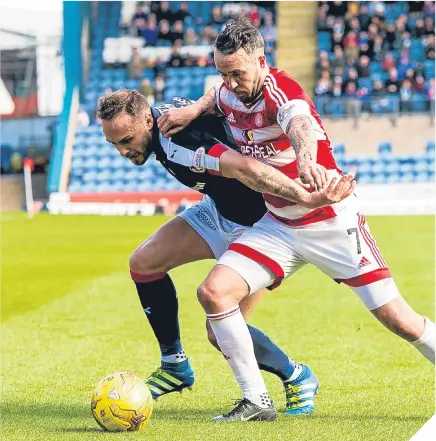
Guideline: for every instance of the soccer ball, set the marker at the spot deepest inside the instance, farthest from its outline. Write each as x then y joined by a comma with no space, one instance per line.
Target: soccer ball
122,402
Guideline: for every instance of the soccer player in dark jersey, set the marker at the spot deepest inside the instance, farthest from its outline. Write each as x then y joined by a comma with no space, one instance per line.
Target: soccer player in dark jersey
205,230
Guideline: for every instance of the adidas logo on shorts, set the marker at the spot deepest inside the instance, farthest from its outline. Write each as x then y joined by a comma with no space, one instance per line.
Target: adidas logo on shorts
363,262
231,118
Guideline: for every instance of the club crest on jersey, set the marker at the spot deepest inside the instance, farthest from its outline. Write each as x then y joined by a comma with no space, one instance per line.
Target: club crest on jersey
258,120
198,156
248,136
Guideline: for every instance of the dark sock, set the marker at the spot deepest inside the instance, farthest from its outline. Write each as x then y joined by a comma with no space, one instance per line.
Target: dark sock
269,356
159,302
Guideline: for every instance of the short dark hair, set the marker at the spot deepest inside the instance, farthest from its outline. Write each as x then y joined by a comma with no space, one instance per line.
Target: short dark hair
239,34
130,101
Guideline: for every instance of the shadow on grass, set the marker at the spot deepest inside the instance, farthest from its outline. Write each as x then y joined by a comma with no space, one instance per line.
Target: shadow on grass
33,411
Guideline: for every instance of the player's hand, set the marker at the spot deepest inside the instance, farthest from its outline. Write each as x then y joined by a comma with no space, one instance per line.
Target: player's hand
176,120
335,192
313,174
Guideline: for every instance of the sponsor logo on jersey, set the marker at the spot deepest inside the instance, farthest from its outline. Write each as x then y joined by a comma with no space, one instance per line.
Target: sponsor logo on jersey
205,218
199,186
258,120
259,151
248,136
198,156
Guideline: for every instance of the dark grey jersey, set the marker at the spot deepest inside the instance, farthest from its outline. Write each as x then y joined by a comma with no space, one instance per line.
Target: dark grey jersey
234,201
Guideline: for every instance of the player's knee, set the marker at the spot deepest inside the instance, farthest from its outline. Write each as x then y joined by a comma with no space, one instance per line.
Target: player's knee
145,260
208,294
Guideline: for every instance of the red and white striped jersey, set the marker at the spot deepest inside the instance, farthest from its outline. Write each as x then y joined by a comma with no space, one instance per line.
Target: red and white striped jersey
260,131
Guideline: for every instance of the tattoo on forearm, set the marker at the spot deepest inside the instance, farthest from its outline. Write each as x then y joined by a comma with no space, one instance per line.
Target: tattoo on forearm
303,138
208,105
268,180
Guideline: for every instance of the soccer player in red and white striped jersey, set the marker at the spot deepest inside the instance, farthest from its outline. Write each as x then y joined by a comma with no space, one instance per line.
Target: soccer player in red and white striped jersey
273,120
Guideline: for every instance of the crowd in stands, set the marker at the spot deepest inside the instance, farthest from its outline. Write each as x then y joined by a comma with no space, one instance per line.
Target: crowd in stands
376,49
161,26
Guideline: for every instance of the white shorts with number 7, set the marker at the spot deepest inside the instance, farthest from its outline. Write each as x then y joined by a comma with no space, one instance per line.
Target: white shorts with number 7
342,247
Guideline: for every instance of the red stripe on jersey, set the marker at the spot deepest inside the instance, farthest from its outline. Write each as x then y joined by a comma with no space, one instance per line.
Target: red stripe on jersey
261,258
318,215
366,279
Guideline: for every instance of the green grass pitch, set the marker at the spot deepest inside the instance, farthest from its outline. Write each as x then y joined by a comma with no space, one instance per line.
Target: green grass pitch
70,315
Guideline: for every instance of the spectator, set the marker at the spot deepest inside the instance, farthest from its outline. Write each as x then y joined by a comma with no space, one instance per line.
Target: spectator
429,26
160,66
323,65
254,14
176,59
134,66
430,47
338,25
419,70
388,62
321,21
351,44
337,39
353,25
352,105
419,84
419,30
182,12
378,89
403,64
372,31
159,89
139,19
415,8
337,90
363,67
351,77
268,30
390,37
377,48
178,31
366,50
217,17
322,87
392,84
165,33
364,17
191,38
406,96
338,74
163,12
429,9
151,31
146,89
339,58
337,8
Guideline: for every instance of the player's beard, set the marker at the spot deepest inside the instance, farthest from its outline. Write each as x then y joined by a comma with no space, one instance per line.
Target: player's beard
141,158
255,91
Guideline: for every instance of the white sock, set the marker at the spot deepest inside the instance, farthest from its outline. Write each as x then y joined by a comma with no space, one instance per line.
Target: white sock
236,345
174,358
426,344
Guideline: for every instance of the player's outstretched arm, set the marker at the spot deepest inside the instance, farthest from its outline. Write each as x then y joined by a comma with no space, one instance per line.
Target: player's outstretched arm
304,142
177,119
266,179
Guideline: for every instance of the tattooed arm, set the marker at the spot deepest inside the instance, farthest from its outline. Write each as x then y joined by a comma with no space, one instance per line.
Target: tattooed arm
266,179
175,120
304,142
